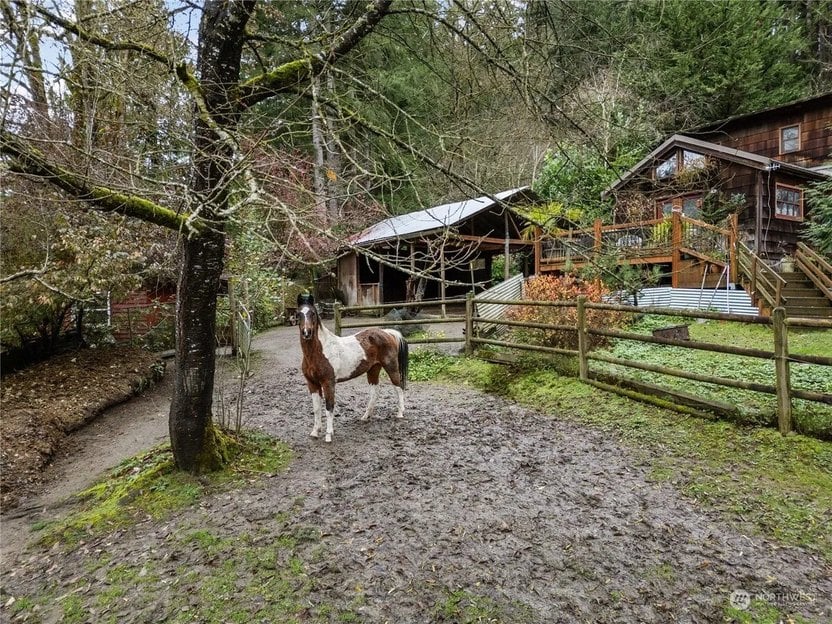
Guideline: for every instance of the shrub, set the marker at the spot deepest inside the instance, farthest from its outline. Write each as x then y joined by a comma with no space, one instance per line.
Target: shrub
566,288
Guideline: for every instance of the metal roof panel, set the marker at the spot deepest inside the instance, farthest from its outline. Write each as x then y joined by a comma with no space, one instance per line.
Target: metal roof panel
430,219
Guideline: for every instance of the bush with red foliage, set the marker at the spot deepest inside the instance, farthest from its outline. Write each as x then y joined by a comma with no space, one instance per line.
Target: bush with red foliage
565,288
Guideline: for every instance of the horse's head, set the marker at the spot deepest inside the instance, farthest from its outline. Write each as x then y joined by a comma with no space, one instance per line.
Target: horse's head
307,317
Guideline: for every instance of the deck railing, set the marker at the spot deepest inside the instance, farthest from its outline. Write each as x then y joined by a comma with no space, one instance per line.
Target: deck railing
657,240
766,285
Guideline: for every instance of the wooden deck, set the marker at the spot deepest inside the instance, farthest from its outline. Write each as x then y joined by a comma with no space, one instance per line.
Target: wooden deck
689,246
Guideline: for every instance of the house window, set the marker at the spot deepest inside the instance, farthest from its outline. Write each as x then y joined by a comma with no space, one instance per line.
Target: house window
692,207
692,160
789,204
689,205
790,139
667,168
665,207
684,161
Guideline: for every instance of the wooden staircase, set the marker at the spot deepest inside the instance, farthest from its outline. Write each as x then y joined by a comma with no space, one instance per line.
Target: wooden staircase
804,292
802,298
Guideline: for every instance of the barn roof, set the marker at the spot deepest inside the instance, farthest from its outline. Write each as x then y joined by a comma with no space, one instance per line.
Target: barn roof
432,219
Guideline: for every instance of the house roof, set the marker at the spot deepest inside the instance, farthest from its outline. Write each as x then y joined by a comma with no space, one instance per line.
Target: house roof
755,161
432,219
808,103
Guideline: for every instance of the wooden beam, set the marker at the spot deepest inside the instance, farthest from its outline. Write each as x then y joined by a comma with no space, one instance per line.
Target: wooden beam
494,240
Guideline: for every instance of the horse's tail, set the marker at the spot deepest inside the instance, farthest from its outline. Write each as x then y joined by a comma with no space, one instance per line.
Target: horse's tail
403,360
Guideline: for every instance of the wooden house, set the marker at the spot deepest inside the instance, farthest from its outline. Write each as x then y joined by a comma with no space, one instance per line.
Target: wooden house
437,253
717,203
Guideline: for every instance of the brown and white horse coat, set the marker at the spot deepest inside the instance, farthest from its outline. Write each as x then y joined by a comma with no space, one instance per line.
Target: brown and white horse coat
328,359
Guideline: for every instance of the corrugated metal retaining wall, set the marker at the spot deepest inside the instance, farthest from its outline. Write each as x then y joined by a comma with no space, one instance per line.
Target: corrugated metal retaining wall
510,289
734,301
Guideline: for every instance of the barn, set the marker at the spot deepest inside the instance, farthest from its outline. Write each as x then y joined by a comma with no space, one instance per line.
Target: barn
440,252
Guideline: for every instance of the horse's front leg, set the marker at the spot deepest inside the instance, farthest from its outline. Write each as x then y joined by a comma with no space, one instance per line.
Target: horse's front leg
328,389
315,392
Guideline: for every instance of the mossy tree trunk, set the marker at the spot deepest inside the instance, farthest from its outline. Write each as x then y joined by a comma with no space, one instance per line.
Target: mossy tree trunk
220,98
195,445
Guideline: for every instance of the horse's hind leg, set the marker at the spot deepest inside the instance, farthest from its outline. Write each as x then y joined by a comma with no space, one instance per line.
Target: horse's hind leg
400,394
372,379
396,378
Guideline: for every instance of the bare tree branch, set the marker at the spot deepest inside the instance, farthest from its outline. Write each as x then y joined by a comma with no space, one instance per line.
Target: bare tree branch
30,161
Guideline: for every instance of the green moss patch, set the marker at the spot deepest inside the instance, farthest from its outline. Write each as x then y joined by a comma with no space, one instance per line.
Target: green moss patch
147,485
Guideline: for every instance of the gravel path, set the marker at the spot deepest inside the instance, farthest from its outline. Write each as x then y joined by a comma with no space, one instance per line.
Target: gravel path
548,520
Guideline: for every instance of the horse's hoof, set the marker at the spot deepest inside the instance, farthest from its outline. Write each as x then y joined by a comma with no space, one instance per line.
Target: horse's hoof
314,434
364,417
399,415
328,437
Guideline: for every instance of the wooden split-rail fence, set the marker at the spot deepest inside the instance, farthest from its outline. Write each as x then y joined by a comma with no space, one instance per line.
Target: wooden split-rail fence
466,327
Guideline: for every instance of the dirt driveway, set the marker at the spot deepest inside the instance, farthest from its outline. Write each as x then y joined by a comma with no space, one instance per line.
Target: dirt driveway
469,495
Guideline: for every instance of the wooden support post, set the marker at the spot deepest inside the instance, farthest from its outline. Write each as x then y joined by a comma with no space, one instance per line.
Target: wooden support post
469,323
597,236
583,367
538,248
442,282
336,309
781,363
733,242
506,248
676,243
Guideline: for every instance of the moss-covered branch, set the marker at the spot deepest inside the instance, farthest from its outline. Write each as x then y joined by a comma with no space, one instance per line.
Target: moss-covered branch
290,74
27,160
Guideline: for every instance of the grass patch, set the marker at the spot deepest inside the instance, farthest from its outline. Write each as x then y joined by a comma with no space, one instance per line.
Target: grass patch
808,417
781,485
148,485
761,612
464,607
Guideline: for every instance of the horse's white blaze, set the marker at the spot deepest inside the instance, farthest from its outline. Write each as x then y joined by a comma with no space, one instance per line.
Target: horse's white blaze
344,353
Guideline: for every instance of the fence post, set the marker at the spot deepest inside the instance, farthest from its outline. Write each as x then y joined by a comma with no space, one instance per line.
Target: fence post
582,361
336,310
469,323
781,363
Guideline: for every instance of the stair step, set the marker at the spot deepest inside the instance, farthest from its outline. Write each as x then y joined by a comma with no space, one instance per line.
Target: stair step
809,312
801,292
808,303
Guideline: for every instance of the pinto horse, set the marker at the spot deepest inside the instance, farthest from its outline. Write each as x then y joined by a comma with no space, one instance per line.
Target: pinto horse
328,359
